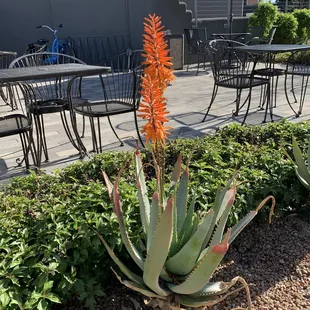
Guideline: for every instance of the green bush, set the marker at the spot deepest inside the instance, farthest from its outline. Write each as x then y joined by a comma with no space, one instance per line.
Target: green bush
303,18
49,251
287,27
264,16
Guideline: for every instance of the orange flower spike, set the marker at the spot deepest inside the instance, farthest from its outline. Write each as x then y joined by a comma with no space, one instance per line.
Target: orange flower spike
157,76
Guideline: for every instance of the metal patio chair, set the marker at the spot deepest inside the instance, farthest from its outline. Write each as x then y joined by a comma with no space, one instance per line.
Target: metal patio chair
298,65
197,40
233,68
49,96
116,92
19,123
5,93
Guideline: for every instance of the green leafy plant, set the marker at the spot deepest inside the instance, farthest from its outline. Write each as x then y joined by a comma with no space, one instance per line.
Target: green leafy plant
287,27
182,251
303,19
264,16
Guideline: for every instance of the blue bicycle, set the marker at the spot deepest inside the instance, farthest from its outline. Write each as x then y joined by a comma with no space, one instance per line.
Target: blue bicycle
58,46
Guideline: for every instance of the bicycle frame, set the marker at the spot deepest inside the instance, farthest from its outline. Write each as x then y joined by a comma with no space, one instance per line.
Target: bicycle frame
57,47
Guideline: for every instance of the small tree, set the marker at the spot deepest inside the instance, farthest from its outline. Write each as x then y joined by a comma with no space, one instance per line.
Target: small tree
303,30
264,16
287,27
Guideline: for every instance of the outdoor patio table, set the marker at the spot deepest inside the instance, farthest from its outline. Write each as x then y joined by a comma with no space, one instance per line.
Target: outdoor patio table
230,36
25,74
271,50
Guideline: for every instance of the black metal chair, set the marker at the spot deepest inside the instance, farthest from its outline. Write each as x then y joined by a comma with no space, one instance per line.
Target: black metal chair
260,39
114,93
197,41
298,65
19,123
233,68
5,93
49,96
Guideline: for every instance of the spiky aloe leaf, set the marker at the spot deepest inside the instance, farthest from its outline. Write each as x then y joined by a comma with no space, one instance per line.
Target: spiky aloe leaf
221,200
132,276
302,181
187,225
181,199
219,231
144,203
176,171
203,271
301,168
108,184
159,250
134,253
184,261
235,231
174,243
211,288
141,288
206,301
154,218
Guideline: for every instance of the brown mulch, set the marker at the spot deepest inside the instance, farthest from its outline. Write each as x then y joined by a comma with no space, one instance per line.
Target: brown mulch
274,260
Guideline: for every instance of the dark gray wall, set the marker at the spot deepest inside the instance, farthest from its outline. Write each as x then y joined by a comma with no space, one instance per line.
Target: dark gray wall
19,19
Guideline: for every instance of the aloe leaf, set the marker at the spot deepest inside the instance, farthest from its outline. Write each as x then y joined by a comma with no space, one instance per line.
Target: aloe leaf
134,253
141,288
144,203
219,231
132,276
206,301
154,217
174,243
187,229
181,199
235,231
108,184
203,271
211,288
301,166
221,200
159,250
302,181
184,261
176,171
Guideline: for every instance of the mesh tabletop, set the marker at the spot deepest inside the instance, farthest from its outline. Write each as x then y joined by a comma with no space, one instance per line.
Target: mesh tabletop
272,48
51,71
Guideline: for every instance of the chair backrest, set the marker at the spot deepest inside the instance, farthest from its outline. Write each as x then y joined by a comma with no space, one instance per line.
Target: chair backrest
228,62
50,88
6,58
120,84
271,34
195,37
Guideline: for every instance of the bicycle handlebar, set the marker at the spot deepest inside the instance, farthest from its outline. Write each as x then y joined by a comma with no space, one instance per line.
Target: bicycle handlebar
51,29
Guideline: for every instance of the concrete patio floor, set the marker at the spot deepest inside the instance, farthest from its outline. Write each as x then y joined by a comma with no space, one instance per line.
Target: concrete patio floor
188,98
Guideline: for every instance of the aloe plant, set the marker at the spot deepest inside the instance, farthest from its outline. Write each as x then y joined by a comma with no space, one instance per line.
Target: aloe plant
302,171
182,250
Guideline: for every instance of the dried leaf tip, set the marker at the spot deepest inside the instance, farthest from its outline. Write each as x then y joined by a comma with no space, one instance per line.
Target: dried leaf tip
222,247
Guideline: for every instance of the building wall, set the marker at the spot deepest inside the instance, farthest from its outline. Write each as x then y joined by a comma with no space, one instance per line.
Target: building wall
80,18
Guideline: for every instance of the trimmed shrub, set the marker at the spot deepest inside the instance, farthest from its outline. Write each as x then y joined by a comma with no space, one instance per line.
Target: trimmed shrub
303,18
287,27
49,250
264,16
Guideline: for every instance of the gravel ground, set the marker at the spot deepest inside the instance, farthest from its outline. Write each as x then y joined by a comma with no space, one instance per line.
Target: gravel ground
274,260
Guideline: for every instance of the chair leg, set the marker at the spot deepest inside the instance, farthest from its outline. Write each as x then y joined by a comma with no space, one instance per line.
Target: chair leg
292,85
275,92
137,129
93,134
198,64
303,94
286,95
99,134
44,144
215,89
121,143
248,108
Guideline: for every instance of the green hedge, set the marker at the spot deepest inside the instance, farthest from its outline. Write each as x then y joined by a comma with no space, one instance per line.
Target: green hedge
49,251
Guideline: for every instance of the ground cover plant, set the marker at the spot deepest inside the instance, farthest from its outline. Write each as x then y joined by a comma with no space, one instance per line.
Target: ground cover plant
47,221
